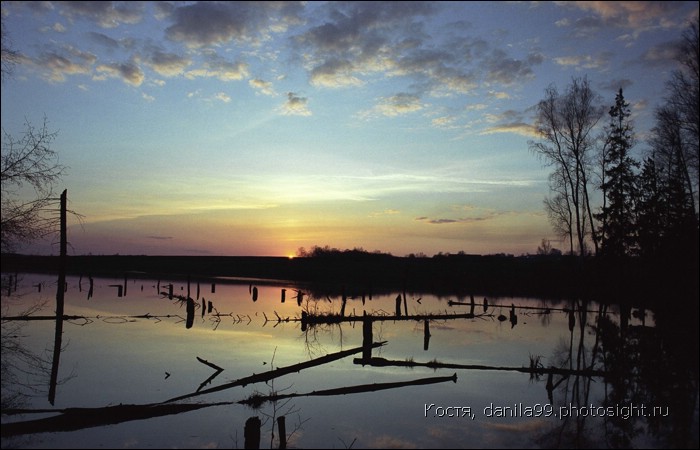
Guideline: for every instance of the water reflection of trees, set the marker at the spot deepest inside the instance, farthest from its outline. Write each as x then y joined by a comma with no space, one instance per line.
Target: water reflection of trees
24,372
648,361
654,367
275,414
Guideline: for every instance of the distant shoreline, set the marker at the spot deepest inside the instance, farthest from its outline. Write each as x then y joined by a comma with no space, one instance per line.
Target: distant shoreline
501,275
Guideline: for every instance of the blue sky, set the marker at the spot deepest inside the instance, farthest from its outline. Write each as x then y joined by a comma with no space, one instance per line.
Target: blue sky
257,128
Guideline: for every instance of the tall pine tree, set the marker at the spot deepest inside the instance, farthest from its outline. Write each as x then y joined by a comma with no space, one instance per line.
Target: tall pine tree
620,184
652,218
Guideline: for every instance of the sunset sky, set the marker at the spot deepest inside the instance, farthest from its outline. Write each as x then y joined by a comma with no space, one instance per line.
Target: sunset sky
256,128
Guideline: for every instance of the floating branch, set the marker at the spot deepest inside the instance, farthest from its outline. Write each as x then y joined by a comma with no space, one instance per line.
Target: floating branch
313,319
383,362
257,400
72,419
122,319
272,374
27,318
212,365
217,369
542,309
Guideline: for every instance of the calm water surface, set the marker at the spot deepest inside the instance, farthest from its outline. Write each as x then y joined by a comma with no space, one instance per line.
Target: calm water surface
602,374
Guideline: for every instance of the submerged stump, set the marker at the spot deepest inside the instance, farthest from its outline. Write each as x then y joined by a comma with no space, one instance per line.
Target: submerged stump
251,432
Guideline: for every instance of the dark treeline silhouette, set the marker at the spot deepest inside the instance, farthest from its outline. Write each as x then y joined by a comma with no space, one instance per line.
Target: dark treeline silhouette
602,200
643,229
354,274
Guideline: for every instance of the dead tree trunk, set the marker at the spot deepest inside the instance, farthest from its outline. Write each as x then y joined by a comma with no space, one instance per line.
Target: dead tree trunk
60,295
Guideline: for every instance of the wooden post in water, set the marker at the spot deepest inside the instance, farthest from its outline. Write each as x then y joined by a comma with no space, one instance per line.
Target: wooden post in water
190,313
398,305
284,292
120,289
282,431
304,319
251,433
213,288
124,285
92,285
426,335
366,338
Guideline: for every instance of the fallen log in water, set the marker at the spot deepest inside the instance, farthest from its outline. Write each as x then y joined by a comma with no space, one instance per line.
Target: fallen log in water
72,419
383,362
272,374
542,309
257,399
27,318
318,319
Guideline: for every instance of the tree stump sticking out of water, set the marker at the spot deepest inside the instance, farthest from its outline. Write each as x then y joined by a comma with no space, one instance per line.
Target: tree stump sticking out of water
282,431
190,313
251,432
426,335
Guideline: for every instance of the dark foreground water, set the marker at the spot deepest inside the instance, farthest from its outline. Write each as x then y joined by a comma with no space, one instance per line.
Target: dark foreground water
147,370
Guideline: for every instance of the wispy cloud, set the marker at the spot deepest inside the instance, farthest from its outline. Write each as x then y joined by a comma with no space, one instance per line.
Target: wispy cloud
57,66
128,72
295,106
223,97
661,55
599,61
396,105
217,67
105,14
264,87
165,63
523,129
510,121
334,74
484,216
630,14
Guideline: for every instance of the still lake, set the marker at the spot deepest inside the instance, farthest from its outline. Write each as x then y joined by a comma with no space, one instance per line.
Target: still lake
453,372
